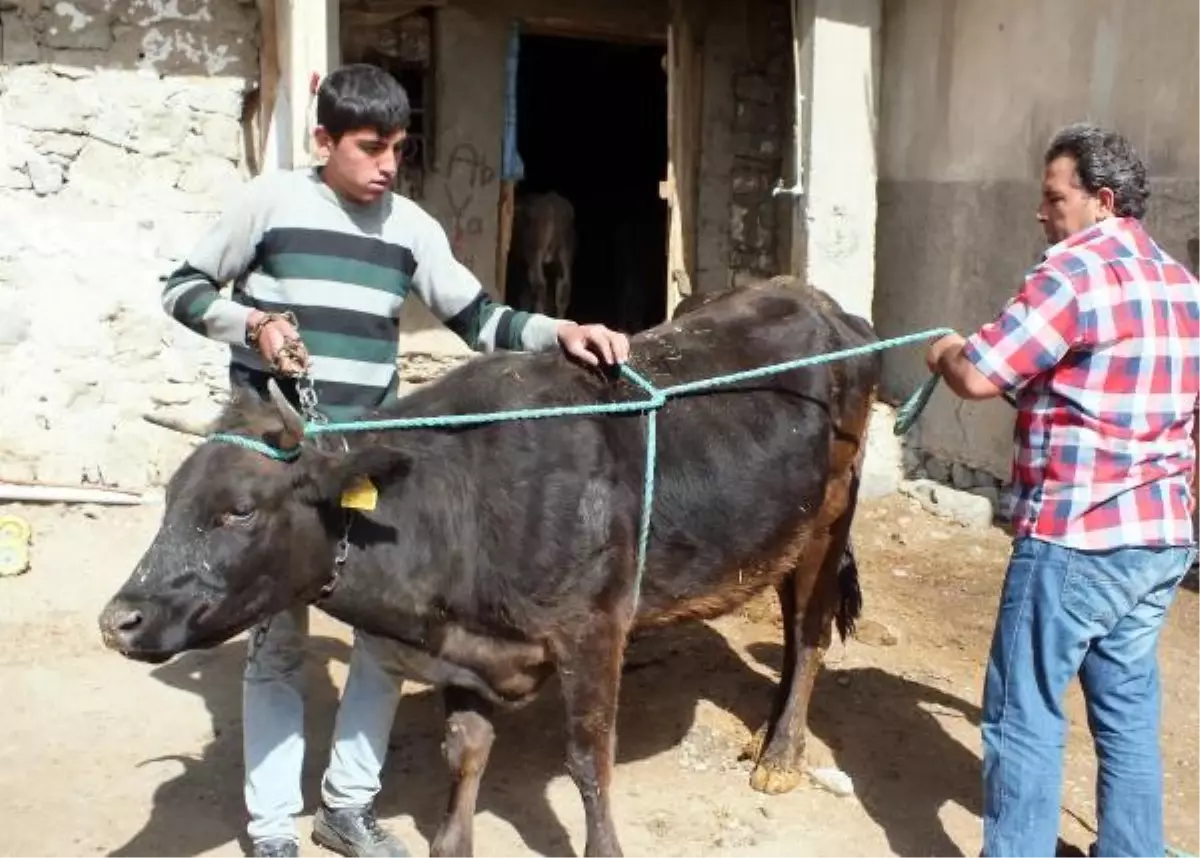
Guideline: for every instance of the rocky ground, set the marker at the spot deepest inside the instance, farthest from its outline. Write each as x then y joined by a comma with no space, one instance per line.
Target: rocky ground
104,756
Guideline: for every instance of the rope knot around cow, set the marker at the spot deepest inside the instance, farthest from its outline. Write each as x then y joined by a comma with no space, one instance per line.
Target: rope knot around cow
657,397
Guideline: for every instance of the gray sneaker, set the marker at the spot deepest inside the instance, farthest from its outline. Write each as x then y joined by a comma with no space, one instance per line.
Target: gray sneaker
276,848
354,831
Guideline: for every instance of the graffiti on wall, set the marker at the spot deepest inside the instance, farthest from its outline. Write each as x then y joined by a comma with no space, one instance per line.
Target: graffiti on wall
467,170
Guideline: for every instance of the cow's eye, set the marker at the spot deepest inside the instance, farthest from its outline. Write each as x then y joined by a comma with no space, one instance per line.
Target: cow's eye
239,516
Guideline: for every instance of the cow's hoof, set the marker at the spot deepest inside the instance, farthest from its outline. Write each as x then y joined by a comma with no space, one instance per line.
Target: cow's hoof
753,749
774,781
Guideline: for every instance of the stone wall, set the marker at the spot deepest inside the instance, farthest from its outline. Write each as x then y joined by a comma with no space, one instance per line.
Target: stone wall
120,140
746,127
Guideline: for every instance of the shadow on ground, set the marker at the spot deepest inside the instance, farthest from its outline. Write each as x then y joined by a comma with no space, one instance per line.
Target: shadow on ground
881,730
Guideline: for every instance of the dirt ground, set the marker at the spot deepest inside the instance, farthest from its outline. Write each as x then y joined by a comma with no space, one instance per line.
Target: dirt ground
105,756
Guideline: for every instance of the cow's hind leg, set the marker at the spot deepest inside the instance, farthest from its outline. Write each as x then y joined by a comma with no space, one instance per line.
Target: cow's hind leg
468,742
815,600
589,665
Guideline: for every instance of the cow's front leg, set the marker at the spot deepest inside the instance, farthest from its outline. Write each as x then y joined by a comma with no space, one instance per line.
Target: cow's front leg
590,671
537,281
562,288
468,742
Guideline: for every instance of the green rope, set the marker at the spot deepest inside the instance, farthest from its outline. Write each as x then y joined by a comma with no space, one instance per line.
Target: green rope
656,400
257,446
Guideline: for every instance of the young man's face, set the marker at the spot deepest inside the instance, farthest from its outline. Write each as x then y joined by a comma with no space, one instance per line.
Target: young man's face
1066,206
361,165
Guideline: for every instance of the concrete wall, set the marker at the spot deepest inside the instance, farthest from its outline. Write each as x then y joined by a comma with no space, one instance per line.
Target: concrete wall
972,91
120,137
840,73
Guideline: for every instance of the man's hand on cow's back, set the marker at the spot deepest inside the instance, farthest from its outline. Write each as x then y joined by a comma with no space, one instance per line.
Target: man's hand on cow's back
592,344
278,342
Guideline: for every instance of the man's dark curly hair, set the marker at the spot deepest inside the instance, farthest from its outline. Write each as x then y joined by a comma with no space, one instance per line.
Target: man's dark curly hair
1105,159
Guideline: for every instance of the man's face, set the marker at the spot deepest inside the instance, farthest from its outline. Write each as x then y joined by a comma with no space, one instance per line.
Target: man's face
1066,207
361,165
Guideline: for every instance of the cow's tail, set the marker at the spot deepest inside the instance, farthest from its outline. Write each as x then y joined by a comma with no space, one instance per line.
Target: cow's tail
850,599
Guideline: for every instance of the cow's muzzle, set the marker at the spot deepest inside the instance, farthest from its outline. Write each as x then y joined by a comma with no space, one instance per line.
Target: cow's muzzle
121,626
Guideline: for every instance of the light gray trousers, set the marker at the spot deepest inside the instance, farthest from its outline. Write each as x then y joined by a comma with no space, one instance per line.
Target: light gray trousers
273,725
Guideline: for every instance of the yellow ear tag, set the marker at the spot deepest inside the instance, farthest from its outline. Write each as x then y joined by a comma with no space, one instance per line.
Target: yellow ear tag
360,494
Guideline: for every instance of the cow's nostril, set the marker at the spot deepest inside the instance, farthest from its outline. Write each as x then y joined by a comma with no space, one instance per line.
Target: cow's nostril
127,621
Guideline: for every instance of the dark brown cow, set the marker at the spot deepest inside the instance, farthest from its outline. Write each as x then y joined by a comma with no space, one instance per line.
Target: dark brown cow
500,554
546,234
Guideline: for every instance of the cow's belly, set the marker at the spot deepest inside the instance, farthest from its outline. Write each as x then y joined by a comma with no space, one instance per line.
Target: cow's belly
507,673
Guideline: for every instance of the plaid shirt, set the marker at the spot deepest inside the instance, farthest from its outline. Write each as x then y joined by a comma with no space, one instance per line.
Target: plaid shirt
1101,349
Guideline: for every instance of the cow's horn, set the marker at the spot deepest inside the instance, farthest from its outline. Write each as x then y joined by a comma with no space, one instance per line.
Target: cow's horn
293,423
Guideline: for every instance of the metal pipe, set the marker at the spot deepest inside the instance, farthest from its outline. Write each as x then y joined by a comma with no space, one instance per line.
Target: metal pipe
36,493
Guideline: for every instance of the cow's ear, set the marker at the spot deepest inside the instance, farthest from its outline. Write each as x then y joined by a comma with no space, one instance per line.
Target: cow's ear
321,478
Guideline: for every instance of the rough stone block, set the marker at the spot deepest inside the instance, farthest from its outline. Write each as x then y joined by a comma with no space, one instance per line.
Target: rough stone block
744,278
79,25
46,177
961,476
60,145
182,48
754,145
29,7
39,100
756,118
913,459
989,493
216,135
738,216
749,180
14,319
937,469
19,44
222,96
968,510
210,175
14,178
151,179
753,87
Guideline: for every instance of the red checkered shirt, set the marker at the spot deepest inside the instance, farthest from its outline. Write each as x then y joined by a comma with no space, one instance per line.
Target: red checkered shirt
1101,350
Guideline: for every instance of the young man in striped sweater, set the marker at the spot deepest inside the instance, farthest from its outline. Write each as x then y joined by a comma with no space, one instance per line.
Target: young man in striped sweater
338,251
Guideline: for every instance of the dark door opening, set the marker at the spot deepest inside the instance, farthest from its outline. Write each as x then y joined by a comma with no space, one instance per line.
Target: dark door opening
592,127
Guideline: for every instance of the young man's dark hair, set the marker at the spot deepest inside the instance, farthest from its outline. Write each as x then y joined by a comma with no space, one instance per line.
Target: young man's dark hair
362,96
1104,159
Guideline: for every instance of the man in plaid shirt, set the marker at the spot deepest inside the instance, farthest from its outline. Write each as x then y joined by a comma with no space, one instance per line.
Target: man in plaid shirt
1100,351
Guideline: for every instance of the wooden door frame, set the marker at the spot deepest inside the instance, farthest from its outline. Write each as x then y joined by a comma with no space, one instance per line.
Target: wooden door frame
685,104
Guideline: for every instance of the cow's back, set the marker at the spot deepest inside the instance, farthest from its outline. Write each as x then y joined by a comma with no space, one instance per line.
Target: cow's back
741,472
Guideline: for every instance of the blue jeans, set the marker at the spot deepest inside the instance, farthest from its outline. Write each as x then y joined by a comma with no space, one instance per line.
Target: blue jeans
1095,614
273,726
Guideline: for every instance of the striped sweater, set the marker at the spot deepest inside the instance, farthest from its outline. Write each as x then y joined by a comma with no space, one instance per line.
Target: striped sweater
291,243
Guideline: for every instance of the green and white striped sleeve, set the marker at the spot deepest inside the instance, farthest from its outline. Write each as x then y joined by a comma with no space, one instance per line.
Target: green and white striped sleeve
226,252
456,298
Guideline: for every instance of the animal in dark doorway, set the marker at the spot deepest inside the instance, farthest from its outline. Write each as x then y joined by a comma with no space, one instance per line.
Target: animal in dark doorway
545,235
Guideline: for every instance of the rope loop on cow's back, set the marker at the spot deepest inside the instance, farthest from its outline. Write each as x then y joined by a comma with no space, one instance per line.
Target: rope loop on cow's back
656,398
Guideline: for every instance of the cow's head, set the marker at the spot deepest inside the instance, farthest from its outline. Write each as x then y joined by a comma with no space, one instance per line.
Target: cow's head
243,536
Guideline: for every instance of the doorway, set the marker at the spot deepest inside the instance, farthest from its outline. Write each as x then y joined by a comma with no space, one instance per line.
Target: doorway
592,127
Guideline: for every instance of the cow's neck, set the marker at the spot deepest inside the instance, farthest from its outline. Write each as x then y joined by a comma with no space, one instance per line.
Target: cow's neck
405,558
